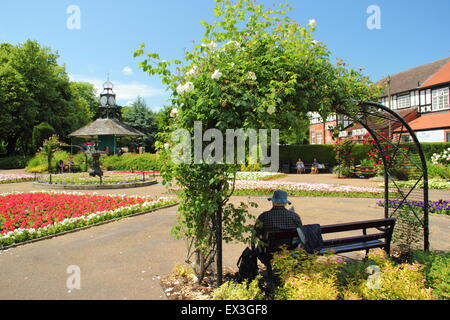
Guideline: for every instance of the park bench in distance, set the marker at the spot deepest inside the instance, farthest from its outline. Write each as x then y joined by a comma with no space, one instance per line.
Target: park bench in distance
381,239
289,167
363,172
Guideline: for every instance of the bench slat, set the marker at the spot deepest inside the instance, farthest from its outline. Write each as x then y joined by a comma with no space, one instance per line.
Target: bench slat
357,225
356,247
356,239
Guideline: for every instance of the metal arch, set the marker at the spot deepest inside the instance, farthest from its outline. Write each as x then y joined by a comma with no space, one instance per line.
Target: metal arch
399,119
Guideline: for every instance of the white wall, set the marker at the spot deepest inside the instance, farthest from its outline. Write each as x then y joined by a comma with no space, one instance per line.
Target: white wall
431,136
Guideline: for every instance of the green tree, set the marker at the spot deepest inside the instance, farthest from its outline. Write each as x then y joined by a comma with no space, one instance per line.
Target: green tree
255,68
41,132
35,89
140,117
86,92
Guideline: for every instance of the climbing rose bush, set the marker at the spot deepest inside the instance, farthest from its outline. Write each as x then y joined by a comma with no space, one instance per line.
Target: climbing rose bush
441,158
254,68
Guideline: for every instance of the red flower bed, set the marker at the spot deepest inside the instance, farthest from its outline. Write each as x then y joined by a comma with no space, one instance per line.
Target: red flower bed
37,210
138,172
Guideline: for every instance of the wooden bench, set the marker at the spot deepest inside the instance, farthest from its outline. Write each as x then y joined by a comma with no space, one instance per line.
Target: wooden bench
290,239
324,168
363,172
381,239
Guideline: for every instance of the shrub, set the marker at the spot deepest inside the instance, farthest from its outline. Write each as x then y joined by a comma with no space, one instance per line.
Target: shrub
10,163
431,148
438,171
132,162
393,282
250,167
39,162
239,291
40,133
305,277
303,287
436,270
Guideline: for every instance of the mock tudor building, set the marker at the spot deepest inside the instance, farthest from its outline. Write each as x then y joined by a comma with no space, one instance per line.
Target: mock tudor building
420,95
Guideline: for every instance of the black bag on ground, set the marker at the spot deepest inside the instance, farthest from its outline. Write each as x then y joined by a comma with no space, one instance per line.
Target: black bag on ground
248,265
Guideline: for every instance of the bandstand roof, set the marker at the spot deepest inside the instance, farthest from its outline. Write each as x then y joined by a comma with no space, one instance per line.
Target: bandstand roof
107,127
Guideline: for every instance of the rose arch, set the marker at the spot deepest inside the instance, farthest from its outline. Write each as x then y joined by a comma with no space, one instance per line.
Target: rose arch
387,129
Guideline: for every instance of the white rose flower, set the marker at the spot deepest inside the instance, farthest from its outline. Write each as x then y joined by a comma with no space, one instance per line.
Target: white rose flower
193,71
216,75
271,110
312,23
233,43
174,112
166,146
212,45
180,90
251,76
188,87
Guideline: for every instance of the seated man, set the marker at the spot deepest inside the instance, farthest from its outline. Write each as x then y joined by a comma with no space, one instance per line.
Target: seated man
278,218
315,167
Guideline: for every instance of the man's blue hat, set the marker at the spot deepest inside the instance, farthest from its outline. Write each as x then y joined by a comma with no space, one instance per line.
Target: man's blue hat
280,197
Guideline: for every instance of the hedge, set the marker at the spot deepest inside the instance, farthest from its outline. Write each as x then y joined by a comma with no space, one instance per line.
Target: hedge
325,153
132,162
9,163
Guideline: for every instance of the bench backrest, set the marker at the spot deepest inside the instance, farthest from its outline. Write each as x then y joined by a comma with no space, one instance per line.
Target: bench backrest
277,238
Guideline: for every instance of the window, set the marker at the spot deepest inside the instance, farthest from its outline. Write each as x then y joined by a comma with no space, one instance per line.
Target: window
406,138
448,136
319,137
440,99
313,137
403,101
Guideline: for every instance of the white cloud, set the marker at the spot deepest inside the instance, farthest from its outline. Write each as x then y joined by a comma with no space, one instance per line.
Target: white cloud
127,71
124,90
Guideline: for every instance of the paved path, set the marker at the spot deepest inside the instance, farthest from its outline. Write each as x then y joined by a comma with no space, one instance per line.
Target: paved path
122,260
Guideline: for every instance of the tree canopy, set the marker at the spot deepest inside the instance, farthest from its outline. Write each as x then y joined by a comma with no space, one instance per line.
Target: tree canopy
35,89
140,117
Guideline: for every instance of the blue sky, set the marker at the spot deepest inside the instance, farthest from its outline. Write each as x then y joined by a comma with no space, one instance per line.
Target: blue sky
412,33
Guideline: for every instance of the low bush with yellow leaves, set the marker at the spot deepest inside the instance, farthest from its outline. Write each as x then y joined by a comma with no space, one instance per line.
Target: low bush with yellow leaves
311,277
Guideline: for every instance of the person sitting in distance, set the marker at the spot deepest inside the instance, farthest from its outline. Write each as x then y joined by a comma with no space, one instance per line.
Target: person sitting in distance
315,167
300,166
60,167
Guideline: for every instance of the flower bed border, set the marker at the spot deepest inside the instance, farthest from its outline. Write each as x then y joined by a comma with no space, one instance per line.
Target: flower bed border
77,229
315,194
104,186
